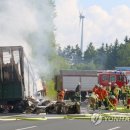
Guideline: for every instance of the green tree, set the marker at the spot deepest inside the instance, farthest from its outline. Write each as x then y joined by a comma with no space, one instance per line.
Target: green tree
105,57
76,55
90,53
67,53
112,56
127,40
100,57
124,55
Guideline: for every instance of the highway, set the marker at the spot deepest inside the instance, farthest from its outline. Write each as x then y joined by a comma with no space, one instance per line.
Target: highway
62,124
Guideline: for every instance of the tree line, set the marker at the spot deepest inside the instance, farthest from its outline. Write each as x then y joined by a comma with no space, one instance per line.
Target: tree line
104,57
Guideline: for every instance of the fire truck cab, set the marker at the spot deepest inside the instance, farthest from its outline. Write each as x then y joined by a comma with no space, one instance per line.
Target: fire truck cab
118,77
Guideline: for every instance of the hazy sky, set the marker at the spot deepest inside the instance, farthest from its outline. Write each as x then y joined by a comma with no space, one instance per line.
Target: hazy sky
105,21
106,4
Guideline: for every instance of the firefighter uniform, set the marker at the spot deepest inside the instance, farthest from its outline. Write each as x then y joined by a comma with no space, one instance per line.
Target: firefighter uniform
95,88
102,97
78,92
93,101
113,102
128,97
123,90
108,88
116,92
60,96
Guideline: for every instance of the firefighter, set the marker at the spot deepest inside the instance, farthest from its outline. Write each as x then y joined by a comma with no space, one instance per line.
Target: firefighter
95,88
78,92
112,90
124,93
113,102
128,97
108,88
102,97
78,87
60,95
93,101
116,91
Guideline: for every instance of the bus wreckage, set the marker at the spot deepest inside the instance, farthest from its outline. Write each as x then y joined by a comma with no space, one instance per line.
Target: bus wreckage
12,88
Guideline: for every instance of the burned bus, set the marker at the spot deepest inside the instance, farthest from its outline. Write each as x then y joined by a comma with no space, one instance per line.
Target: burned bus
11,75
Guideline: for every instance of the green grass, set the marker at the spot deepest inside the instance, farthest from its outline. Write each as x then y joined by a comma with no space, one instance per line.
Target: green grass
51,93
125,110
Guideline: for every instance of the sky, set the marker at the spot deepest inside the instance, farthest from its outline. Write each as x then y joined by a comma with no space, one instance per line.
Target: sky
106,4
105,21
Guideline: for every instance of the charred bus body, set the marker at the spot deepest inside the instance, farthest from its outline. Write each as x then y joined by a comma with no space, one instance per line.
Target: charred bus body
11,75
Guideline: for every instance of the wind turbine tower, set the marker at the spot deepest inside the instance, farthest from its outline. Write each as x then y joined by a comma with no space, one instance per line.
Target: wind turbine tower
82,30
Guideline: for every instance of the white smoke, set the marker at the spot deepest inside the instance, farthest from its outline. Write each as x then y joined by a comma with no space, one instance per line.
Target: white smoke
28,23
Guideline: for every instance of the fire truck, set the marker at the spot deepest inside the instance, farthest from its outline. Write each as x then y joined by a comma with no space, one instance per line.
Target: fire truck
69,79
114,77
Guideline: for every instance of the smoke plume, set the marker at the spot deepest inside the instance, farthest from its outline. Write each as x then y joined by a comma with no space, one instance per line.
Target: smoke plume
28,23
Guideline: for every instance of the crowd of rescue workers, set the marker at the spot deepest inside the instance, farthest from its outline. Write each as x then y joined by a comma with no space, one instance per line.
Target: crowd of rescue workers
106,97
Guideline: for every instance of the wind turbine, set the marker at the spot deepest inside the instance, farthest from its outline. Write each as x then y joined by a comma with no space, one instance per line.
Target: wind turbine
81,17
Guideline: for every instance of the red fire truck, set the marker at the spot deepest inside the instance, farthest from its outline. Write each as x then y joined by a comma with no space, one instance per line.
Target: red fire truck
118,77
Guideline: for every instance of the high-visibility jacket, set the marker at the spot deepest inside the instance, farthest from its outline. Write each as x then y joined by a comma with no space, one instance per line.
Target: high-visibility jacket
116,91
61,95
102,94
95,89
95,96
108,88
114,101
105,93
128,97
123,89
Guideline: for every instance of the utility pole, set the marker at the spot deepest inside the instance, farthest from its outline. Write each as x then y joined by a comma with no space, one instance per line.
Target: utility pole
82,31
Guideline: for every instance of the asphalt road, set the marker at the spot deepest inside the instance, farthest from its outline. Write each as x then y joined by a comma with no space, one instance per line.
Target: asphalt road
62,124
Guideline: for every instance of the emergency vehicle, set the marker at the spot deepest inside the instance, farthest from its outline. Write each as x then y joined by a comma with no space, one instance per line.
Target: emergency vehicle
69,79
118,77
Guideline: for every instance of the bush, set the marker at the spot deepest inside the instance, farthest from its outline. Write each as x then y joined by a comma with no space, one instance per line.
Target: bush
51,93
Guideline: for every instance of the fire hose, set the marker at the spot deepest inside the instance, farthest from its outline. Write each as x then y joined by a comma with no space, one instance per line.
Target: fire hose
113,107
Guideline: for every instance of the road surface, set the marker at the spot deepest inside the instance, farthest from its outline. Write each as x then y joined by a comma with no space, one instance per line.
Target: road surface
62,124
